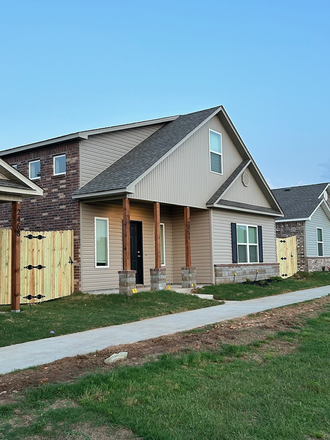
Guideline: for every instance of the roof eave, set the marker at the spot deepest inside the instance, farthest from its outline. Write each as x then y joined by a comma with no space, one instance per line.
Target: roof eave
102,194
236,208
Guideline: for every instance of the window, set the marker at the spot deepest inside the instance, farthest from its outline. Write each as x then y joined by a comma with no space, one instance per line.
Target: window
215,143
320,242
34,169
101,242
162,244
14,166
59,165
246,244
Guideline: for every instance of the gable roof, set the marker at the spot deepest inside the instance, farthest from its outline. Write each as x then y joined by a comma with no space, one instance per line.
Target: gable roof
141,159
14,185
300,202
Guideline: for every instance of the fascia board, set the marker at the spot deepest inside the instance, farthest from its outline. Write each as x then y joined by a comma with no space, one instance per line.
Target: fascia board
321,202
10,172
56,140
325,208
253,211
288,220
238,175
100,194
23,192
325,189
136,181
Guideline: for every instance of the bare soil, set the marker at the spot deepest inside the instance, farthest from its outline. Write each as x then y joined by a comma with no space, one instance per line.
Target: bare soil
244,330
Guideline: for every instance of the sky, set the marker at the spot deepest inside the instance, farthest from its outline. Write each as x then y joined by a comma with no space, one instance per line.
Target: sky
72,65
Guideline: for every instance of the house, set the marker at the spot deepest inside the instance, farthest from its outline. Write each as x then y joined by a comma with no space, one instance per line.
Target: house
169,200
307,216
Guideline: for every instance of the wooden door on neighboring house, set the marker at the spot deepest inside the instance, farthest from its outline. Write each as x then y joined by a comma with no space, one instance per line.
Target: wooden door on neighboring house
136,250
286,249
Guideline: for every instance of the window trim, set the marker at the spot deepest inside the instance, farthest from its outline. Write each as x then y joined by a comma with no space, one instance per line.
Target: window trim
247,244
319,242
15,166
31,162
162,233
95,244
215,152
54,158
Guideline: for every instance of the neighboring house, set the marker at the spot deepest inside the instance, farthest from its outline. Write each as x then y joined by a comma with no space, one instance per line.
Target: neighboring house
306,215
180,192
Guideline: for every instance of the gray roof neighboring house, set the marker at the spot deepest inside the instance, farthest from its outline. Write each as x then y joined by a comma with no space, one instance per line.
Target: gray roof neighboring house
300,202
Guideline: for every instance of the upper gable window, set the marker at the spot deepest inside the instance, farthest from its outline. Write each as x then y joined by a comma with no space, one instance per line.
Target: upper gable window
59,164
34,169
215,143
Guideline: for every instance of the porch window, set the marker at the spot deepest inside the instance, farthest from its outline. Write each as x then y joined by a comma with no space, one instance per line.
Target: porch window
59,164
246,243
215,143
34,169
162,244
320,242
101,242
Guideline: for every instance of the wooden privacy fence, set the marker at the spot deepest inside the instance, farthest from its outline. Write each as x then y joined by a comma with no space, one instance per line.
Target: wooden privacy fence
286,249
55,252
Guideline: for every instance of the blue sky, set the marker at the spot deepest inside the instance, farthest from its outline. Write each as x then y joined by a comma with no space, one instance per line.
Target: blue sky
71,65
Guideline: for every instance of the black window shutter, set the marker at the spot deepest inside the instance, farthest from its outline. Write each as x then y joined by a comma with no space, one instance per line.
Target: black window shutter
261,254
234,241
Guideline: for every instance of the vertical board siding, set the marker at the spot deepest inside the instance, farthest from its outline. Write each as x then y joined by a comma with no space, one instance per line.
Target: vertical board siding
185,174
222,250
5,266
100,151
319,220
251,194
53,252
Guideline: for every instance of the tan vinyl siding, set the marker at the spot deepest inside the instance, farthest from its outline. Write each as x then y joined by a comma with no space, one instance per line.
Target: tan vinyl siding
319,220
201,250
100,151
184,177
250,194
107,278
222,248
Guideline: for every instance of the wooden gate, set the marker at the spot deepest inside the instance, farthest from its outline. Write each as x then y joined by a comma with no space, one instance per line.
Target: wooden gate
55,252
286,249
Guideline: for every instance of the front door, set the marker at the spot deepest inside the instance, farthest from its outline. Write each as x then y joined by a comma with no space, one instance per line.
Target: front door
136,250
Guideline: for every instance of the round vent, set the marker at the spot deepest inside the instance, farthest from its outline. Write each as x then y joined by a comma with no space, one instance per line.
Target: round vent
246,178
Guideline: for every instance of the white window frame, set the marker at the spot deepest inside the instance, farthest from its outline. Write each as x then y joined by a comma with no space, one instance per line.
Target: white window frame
54,160
319,242
95,244
215,152
37,177
247,244
162,234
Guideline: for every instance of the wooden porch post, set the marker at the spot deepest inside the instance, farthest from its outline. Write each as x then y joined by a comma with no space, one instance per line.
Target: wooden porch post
157,235
187,235
15,256
127,234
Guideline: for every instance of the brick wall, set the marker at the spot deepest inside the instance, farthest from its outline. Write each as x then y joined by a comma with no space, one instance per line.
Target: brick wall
288,229
56,210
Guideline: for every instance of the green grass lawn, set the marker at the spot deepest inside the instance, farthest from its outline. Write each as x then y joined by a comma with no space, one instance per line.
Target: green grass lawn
242,292
80,312
232,393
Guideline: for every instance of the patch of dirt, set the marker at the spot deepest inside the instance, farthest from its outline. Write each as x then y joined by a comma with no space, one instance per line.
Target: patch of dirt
244,330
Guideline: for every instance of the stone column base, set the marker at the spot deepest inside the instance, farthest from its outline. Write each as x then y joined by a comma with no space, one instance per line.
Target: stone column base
188,277
127,281
157,279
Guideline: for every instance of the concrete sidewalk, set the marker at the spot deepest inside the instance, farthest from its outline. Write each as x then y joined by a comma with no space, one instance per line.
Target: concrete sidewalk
48,350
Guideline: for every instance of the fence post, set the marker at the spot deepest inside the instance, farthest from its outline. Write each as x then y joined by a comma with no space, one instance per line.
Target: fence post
15,256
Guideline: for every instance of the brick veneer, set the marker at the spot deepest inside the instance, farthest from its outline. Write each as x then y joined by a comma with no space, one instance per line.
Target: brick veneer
288,229
238,273
56,210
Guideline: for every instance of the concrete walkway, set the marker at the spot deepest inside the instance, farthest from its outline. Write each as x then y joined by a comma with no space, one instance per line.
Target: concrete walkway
48,350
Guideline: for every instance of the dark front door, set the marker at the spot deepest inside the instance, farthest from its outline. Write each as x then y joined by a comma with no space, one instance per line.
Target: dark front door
136,251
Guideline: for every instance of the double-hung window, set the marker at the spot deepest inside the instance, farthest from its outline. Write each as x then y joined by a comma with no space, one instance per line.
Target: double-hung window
162,244
34,169
59,164
320,242
215,143
101,242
